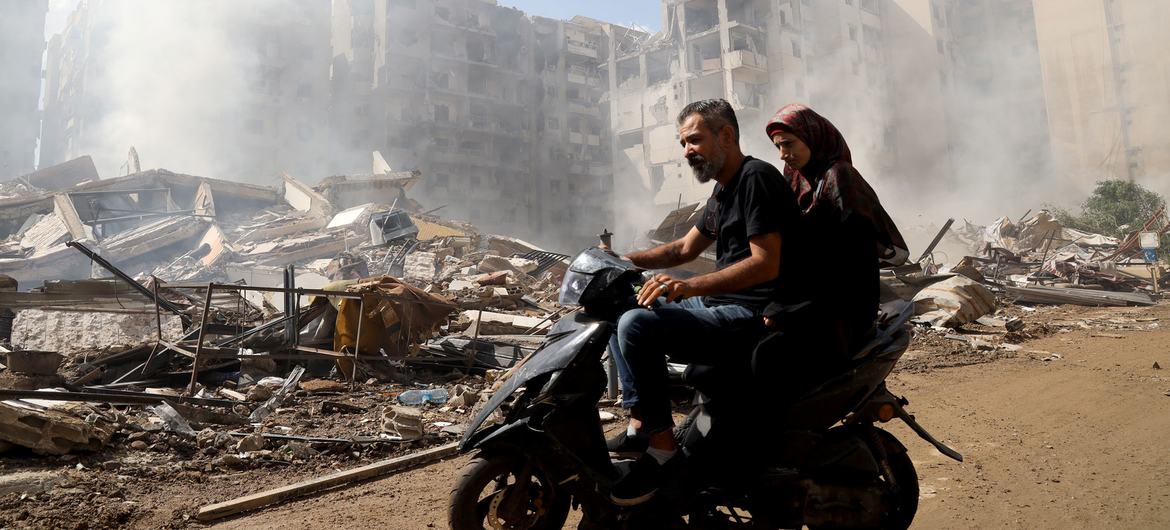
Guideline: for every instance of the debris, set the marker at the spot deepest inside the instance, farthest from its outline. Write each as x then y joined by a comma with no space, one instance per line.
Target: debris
34,362
1011,324
463,397
265,498
335,406
250,443
258,393
402,423
1055,295
71,332
1156,366
953,302
52,431
264,410
28,482
171,417
317,386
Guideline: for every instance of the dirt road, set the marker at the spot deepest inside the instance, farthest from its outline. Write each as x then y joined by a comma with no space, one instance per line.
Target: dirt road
1081,440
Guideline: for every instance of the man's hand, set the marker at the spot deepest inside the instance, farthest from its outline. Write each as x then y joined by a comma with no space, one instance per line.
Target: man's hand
663,285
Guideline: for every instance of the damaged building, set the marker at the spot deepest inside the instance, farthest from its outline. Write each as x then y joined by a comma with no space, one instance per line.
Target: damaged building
482,97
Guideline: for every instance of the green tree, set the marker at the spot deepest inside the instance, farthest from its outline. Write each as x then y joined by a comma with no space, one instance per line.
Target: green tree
1113,205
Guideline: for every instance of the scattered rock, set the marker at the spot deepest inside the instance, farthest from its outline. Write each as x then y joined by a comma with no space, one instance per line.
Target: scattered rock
28,482
251,442
229,460
259,393
323,385
296,451
138,445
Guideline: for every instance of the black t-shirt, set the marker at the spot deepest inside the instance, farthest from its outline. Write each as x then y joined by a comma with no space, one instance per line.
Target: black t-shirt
755,202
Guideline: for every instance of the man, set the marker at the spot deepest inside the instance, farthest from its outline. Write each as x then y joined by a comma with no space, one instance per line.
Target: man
718,314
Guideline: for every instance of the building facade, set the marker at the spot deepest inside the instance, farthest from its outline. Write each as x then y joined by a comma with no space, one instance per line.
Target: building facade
1106,84
503,113
22,42
880,70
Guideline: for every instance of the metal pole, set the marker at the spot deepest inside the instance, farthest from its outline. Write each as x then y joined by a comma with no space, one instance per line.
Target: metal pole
158,323
157,313
199,345
166,304
357,342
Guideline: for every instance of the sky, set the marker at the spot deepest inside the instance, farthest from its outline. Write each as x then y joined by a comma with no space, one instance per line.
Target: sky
646,13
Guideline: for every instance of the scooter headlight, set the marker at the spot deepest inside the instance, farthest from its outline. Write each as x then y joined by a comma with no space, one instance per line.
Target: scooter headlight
573,286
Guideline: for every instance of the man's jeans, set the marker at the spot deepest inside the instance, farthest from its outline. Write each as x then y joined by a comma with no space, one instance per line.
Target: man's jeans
689,332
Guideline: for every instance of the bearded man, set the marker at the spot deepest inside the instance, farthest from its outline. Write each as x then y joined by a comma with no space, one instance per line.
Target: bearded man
710,319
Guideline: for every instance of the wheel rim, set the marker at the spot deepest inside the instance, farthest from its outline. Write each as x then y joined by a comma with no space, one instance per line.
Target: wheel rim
499,511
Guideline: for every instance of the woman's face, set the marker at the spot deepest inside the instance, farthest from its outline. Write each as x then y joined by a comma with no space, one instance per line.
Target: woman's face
793,151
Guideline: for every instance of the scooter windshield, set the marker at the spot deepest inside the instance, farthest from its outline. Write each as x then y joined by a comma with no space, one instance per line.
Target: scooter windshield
593,260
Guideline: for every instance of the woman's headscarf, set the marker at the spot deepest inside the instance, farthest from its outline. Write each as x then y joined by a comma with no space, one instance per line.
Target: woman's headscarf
829,178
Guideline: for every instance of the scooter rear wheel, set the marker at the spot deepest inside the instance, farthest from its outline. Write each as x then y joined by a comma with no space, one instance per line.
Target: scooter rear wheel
491,495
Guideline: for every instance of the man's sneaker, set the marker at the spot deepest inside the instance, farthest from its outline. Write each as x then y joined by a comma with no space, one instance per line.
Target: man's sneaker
625,446
646,475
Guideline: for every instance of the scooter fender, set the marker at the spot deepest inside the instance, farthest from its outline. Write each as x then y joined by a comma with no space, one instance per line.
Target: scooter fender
510,435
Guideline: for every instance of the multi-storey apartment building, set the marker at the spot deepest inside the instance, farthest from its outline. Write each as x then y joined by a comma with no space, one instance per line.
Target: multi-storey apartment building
22,42
246,100
1106,85
879,69
503,113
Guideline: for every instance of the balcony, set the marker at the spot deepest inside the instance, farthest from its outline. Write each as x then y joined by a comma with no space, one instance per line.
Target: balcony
746,59
582,48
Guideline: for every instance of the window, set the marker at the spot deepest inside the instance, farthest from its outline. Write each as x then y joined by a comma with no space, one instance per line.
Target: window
852,32
799,86
442,113
938,43
848,2
796,49
553,124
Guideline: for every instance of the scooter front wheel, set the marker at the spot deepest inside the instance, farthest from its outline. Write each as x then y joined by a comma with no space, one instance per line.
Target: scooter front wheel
505,491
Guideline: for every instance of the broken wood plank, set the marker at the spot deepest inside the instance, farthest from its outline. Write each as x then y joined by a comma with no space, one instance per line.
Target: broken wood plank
265,498
1107,335
110,396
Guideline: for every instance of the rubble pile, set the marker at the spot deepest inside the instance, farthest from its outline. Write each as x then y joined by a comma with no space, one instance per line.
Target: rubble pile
181,326
988,301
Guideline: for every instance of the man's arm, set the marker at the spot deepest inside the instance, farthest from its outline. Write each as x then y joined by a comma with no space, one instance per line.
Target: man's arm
672,254
761,266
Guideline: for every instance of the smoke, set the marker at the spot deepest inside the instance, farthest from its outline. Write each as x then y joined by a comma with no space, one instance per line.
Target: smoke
946,117
195,87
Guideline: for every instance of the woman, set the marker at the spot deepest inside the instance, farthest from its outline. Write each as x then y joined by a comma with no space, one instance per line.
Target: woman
827,307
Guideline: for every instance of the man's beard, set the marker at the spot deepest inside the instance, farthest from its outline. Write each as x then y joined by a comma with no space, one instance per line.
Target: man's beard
705,169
